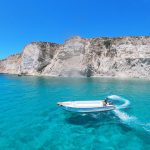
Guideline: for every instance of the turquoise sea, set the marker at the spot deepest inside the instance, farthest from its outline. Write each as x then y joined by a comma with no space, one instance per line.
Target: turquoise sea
31,120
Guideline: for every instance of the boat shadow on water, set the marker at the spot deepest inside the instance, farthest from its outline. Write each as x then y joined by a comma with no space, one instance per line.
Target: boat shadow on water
89,120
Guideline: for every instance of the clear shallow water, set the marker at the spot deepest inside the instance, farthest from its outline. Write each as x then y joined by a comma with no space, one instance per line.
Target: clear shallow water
31,120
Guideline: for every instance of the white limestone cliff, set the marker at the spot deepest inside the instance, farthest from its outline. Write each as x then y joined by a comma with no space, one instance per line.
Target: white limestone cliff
11,65
113,57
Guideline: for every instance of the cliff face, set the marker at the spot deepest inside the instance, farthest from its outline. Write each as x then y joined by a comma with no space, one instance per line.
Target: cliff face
36,56
119,57
11,65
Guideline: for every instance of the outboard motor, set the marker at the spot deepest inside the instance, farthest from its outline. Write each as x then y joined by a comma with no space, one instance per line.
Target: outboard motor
109,101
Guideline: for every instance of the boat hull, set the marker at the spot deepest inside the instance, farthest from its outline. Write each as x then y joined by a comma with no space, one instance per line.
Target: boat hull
83,110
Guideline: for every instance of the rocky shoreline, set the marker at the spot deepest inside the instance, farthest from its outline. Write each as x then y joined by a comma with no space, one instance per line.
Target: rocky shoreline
126,57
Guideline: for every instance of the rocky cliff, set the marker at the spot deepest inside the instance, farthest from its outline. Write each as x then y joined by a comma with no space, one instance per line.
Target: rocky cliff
118,57
11,65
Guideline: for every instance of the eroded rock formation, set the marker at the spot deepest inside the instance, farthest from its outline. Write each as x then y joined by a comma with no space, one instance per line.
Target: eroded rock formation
118,57
11,65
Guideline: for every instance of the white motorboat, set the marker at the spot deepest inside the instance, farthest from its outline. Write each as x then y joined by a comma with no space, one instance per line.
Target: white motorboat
86,106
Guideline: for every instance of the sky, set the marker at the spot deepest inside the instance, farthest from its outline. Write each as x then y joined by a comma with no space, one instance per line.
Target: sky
25,21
